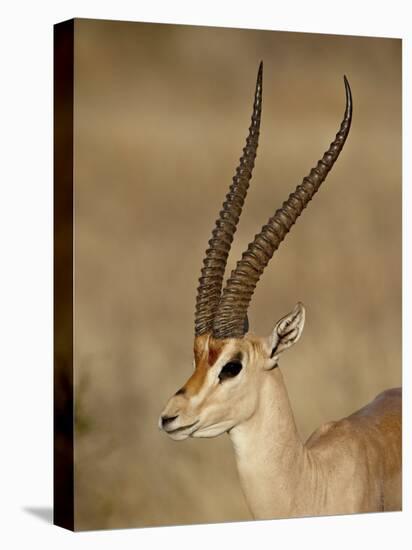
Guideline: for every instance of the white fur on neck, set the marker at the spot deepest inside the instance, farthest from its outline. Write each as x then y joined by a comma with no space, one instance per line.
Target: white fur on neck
269,453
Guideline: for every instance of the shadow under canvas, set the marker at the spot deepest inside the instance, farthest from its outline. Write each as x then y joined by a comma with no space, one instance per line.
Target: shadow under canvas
45,513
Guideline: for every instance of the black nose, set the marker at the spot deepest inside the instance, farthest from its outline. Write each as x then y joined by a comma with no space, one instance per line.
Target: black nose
167,419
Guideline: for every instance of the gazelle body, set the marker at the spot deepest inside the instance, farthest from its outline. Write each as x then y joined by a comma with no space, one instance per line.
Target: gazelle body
352,465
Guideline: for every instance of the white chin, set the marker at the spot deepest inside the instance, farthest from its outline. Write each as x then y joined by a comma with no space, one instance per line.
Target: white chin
210,431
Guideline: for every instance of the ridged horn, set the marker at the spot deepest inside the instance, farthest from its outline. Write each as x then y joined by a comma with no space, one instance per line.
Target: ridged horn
214,263
236,296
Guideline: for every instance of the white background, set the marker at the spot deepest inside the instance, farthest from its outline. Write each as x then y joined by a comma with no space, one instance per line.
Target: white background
26,270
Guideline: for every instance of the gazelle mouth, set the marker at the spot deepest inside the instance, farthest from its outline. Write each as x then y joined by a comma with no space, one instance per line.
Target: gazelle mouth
182,428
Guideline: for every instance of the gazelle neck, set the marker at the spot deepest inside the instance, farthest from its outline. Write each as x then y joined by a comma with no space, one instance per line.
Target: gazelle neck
269,453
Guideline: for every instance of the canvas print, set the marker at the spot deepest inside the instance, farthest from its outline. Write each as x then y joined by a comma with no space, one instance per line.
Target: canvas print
227,275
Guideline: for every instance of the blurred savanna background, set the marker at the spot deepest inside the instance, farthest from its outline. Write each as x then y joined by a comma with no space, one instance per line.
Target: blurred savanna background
161,116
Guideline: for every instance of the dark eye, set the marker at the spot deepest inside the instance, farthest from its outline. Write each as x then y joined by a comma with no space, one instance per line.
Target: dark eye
230,370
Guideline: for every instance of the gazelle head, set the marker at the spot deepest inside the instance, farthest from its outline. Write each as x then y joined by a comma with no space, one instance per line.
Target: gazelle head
224,387
229,362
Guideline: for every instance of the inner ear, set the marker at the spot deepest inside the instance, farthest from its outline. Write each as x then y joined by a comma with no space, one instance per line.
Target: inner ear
288,330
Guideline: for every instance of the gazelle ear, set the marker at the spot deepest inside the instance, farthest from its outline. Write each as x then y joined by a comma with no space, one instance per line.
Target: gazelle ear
286,333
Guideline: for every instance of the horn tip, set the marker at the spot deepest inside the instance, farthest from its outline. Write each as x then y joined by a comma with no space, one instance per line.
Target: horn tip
348,96
260,72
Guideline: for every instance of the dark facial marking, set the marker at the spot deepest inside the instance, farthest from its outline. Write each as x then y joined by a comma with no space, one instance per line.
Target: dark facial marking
230,370
214,352
182,391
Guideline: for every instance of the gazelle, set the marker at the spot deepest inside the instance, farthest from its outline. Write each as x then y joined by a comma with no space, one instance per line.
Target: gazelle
348,466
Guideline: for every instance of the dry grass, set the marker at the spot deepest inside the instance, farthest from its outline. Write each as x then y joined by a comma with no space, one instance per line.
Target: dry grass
161,116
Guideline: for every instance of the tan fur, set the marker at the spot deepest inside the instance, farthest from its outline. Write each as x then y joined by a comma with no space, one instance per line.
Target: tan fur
206,352
347,466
